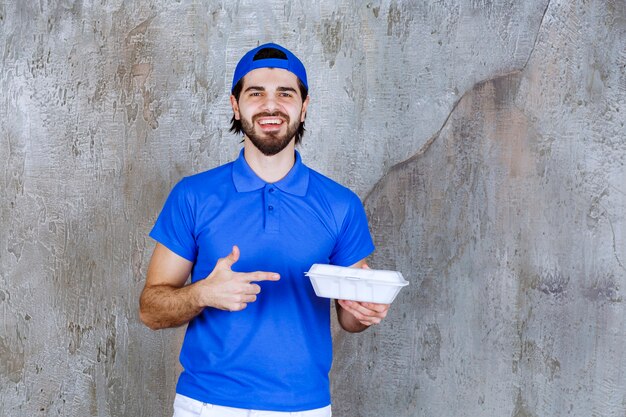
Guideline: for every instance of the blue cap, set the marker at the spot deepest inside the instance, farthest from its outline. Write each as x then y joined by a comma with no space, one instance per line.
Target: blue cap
248,63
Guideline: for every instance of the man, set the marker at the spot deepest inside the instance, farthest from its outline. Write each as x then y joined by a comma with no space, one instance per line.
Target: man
258,338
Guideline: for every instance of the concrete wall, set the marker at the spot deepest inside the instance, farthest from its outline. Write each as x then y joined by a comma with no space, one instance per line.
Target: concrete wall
486,137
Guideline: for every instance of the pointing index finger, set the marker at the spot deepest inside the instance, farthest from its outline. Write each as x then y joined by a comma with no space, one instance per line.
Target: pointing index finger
261,276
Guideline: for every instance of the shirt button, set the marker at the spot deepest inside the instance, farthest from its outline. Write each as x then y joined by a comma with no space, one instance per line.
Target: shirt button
270,208
271,190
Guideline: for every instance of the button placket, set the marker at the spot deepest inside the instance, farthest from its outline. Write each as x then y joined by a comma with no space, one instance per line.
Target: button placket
272,205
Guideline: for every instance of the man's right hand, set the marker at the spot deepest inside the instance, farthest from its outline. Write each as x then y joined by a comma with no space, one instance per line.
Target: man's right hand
228,290
167,302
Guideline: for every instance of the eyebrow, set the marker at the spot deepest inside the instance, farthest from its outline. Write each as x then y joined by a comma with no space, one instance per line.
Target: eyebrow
255,88
259,88
287,89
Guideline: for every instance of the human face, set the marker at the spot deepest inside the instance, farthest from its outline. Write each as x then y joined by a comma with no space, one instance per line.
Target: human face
270,108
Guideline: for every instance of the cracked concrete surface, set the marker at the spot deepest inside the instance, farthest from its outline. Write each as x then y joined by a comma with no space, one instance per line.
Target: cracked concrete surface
488,137
509,226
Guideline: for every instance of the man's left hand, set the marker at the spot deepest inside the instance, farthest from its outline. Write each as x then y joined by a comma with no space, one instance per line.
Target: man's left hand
366,313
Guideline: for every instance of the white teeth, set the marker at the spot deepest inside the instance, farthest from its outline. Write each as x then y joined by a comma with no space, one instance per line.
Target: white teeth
270,122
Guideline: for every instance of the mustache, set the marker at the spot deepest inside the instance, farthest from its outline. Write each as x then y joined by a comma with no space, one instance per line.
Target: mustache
272,114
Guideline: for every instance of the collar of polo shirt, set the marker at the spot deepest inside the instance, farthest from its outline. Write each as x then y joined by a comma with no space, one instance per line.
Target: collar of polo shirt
295,182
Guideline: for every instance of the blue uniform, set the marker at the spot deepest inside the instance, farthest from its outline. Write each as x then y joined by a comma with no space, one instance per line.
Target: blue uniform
276,353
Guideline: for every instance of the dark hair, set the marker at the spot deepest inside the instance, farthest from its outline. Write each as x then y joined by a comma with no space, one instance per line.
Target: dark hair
235,125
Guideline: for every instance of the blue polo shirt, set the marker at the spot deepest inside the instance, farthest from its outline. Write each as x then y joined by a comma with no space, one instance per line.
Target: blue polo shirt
276,353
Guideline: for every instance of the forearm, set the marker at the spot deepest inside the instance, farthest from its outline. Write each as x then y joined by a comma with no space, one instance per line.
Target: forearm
163,306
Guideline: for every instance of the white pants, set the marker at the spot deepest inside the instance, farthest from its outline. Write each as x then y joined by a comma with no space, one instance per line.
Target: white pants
188,407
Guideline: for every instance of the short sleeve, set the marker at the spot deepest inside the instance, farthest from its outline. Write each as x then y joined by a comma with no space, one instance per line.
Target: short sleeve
354,241
174,227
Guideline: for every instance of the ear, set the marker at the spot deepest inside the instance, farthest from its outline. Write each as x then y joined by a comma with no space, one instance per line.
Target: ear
305,104
235,106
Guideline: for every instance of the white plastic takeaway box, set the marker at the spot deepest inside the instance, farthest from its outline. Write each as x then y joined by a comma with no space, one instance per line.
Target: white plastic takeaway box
355,284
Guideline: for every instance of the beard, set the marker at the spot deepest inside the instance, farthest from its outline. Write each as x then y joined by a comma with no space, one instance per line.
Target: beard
273,142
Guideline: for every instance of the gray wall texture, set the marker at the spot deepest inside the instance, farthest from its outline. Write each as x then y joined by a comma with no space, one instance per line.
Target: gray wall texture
486,138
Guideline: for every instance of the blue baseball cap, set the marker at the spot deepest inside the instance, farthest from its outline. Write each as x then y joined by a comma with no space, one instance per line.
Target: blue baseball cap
248,63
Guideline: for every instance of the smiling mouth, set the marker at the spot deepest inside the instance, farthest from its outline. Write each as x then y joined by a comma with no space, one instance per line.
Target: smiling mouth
270,122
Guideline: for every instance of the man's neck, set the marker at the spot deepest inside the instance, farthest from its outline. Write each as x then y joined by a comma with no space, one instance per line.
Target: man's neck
270,168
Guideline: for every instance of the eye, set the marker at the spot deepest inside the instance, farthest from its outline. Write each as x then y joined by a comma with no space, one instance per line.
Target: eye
285,94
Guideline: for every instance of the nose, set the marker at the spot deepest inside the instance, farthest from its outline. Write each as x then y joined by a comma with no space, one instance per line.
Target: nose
269,104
